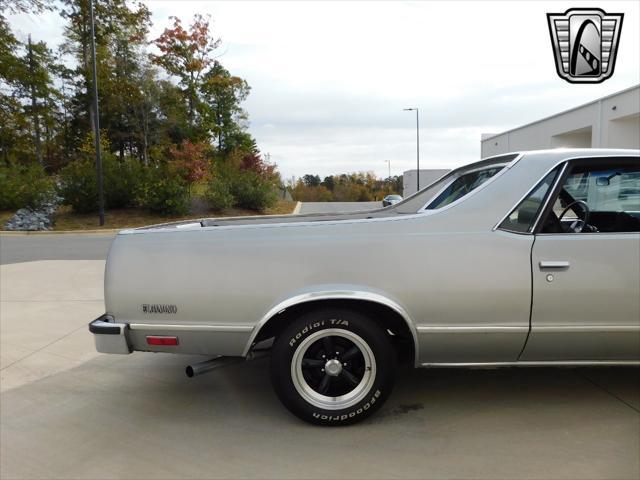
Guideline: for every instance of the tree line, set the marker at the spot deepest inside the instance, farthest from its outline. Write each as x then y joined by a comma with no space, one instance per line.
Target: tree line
352,187
170,113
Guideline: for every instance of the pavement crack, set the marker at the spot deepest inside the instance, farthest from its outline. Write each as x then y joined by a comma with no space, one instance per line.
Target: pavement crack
43,347
606,390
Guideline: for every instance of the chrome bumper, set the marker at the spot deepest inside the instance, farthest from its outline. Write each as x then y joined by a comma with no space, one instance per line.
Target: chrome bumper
110,337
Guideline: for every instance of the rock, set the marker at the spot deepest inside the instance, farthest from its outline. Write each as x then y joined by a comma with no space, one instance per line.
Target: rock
27,219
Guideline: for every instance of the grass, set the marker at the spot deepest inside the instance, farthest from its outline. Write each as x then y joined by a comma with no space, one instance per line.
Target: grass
66,219
5,216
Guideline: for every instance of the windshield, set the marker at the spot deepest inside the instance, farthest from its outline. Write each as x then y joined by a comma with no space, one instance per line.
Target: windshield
463,185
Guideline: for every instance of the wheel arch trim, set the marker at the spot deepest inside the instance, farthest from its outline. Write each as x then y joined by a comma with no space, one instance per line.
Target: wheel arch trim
358,295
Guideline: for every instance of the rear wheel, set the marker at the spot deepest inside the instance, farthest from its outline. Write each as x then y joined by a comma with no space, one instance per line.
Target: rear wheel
333,367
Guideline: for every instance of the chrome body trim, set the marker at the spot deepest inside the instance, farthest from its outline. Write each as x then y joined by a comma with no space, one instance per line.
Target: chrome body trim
587,329
333,295
549,363
191,328
468,329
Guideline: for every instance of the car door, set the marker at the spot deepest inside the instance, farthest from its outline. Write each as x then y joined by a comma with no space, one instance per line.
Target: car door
586,284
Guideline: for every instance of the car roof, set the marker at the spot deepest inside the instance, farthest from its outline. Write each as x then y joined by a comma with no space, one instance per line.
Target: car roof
556,155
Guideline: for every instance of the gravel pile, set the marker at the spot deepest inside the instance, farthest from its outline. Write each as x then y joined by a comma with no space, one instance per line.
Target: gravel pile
33,220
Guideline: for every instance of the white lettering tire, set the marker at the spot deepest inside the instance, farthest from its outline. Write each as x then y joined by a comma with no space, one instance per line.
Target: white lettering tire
333,367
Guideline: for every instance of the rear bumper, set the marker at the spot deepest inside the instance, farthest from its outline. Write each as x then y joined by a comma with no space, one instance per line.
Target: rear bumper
109,336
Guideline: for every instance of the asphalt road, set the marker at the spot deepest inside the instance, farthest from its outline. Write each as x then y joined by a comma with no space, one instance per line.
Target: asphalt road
28,248
337,207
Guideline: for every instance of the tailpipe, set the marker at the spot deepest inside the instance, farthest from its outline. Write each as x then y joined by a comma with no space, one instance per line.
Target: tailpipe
208,365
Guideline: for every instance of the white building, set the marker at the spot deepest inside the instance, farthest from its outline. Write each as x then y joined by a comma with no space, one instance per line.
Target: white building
410,181
609,122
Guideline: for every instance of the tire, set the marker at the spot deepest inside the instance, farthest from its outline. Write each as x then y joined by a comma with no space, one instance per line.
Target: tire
333,367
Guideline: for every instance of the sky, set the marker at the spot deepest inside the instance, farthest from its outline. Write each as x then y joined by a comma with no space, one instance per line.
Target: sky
329,80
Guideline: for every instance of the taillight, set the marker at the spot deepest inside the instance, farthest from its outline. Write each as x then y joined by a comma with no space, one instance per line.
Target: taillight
161,340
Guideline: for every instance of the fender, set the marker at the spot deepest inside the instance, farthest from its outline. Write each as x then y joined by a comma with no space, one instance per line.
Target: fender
334,294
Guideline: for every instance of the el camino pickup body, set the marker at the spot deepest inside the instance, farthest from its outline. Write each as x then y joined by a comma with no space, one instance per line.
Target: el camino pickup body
529,258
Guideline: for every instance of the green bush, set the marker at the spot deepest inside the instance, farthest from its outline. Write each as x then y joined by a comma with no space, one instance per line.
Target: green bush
252,192
122,184
25,186
218,194
164,191
79,187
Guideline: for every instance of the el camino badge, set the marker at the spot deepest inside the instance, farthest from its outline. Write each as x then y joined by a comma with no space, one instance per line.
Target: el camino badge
156,308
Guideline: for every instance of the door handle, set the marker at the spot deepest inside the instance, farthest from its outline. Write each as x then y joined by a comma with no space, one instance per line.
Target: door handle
554,264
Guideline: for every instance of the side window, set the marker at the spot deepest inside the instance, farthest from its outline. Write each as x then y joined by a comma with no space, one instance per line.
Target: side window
597,197
521,219
463,185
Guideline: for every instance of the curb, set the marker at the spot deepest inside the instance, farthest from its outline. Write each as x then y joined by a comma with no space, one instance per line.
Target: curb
10,233
296,210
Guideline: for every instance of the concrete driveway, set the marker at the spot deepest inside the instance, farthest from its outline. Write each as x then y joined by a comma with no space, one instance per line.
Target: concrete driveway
44,309
67,412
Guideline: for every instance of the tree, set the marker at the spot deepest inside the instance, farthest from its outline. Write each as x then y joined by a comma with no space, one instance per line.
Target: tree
28,97
328,182
38,86
191,160
10,67
151,126
26,6
311,180
146,108
187,54
121,28
222,115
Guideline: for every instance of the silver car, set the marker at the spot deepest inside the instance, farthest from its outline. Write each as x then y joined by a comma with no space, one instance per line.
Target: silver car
391,200
523,259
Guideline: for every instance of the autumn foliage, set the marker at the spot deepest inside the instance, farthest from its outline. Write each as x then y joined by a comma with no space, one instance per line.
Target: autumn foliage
190,160
171,117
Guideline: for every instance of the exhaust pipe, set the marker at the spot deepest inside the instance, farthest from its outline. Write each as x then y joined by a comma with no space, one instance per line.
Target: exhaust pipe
208,365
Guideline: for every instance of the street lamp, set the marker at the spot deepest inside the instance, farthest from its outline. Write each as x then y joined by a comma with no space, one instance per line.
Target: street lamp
417,143
96,115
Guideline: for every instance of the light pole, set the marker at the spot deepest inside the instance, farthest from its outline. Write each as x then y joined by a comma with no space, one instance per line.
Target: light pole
417,143
96,116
